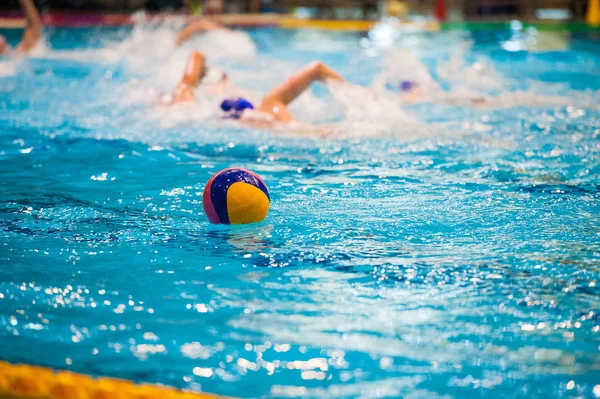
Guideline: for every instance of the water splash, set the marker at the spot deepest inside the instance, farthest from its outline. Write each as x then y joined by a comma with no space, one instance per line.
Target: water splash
476,84
369,113
400,64
150,51
478,77
8,67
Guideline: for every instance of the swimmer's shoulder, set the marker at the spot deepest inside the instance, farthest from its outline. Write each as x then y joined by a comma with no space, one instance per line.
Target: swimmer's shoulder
257,118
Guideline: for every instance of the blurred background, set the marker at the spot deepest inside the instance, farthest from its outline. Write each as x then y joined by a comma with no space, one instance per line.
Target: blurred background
571,10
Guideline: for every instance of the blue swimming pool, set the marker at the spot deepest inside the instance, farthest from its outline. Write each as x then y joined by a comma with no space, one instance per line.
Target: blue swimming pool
425,251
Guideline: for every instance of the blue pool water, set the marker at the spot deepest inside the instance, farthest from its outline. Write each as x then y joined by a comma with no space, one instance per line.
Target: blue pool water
432,252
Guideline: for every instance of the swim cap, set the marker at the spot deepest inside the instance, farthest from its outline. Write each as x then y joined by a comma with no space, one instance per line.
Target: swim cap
408,85
235,106
404,85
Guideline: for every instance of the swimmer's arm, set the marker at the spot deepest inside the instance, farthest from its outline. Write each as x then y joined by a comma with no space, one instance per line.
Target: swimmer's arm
182,94
200,25
191,77
34,27
296,84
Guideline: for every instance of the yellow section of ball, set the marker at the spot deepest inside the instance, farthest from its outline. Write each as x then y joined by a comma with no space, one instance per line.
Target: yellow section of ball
246,203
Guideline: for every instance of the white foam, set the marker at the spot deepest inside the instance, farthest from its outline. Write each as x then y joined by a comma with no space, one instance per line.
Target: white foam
475,84
9,63
479,77
346,112
399,64
224,44
150,50
369,112
8,67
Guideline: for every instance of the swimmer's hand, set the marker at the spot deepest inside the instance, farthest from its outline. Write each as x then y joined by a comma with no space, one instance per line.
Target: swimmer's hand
199,25
182,94
34,27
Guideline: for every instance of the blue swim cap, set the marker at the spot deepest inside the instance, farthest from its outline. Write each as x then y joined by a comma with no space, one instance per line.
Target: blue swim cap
404,85
243,104
235,106
227,105
408,85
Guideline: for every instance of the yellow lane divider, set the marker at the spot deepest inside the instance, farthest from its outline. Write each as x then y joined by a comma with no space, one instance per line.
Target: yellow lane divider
350,25
294,23
31,382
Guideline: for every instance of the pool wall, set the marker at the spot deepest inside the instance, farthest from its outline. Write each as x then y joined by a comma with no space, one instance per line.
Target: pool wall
68,19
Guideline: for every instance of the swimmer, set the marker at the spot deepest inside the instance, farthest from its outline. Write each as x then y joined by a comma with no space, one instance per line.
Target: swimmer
274,106
498,101
412,93
407,76
32,32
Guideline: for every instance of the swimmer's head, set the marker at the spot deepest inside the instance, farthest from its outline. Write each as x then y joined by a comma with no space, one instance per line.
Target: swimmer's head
408,85
4,47
204,73
234,107
405,86
213,75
